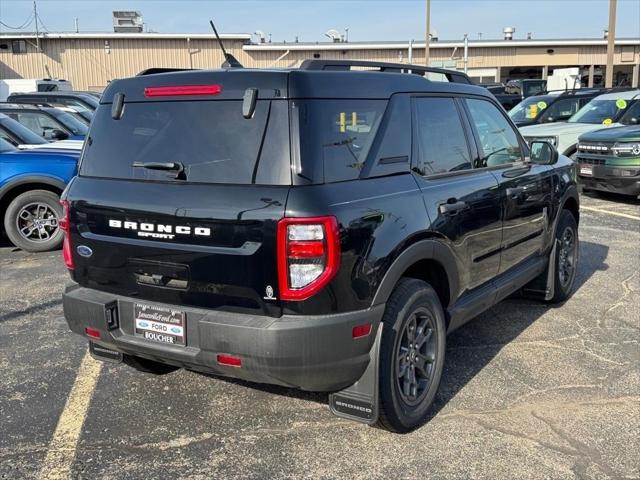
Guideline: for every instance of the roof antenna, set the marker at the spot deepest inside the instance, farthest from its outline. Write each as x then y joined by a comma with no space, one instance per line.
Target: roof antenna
229,60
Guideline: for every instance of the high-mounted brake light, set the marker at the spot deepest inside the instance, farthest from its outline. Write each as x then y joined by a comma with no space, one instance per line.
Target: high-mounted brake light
178,90
65,225
308,255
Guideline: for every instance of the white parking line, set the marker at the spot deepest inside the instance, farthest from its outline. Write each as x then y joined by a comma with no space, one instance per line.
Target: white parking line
618,214
62,448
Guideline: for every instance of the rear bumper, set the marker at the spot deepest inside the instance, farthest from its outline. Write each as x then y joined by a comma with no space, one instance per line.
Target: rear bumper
610,179
315,353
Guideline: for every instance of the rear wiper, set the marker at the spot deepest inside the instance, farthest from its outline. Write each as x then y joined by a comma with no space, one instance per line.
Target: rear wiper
177,166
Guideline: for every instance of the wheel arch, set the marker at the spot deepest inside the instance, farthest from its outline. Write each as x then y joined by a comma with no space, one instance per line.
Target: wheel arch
571,150
26,183
429,260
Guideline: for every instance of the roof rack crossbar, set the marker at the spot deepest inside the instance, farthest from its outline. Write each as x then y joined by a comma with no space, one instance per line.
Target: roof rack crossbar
341,65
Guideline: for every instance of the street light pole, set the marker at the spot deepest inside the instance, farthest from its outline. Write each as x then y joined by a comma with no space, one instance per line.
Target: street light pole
428,35
611,38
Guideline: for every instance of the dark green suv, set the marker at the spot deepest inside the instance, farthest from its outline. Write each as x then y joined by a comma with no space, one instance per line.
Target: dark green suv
610,160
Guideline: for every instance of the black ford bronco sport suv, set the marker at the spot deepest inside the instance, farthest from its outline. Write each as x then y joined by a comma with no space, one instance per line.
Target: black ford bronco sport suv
321,228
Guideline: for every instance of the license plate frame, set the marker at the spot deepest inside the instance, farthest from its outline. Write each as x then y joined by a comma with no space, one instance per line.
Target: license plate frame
586,170
160,324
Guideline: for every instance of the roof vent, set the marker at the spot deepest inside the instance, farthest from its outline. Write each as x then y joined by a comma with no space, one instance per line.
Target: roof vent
508,33
128,21
334,35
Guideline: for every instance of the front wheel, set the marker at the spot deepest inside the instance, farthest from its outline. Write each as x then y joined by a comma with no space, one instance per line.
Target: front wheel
31,221
411,355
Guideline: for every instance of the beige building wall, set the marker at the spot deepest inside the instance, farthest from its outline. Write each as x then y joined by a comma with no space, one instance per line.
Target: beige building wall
90,63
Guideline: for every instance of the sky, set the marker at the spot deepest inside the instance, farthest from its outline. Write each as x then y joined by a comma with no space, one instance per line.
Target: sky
366,20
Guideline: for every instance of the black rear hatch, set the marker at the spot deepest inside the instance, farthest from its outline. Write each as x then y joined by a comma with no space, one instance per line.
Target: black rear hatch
178,196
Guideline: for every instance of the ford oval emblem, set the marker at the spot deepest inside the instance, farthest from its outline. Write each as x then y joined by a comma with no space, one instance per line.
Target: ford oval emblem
84,251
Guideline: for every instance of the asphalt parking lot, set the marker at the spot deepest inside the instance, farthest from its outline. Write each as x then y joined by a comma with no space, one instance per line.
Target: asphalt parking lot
528,392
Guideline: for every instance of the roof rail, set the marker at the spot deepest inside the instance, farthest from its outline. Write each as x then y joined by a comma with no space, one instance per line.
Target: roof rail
12,104
341,65
570,91
154,70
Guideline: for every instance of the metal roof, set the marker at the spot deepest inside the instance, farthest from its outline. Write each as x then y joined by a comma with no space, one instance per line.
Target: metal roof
382,45
116,35
365,45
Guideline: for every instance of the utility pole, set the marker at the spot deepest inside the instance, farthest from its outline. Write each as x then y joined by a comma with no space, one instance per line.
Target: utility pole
466,52
35,15
611,38
428,35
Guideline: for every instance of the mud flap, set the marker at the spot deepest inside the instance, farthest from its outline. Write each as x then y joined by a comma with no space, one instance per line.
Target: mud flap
104,354
359,402
544,287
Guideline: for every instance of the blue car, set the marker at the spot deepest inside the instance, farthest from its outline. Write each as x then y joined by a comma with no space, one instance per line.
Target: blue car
31,182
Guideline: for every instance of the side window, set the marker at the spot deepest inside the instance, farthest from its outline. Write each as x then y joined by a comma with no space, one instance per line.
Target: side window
441,140
337,135
38,123
498,140
4,135
562,109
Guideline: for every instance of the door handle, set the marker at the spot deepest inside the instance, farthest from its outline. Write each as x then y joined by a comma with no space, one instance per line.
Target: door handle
515,191
452,208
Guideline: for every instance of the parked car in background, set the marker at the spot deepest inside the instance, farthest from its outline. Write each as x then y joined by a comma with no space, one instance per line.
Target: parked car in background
17,85
517,90
603,111
83,103
552,107
48,122
17,134
31,182
57,99
609,160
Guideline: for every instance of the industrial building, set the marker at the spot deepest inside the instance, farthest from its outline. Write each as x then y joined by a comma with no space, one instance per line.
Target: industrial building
92,60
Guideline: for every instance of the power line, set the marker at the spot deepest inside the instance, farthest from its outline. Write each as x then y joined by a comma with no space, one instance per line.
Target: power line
26,23
44,27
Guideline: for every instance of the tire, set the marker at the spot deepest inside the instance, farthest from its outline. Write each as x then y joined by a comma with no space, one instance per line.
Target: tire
567,254
148,366
40,206
415,304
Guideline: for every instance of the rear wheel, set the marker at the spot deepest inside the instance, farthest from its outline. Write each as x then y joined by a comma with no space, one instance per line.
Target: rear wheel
148,366
31,221
568,245
411,355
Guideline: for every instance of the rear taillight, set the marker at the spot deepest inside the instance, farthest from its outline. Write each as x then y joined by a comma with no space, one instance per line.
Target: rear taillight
308,255
179,90
92,332
65,225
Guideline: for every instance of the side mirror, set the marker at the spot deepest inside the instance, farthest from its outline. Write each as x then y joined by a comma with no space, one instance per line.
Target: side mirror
58,134
543,153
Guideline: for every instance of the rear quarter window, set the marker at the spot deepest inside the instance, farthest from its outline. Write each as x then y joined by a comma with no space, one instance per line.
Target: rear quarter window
336,136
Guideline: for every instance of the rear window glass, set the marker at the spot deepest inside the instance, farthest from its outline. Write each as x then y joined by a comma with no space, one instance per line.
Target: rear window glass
336,136
210,139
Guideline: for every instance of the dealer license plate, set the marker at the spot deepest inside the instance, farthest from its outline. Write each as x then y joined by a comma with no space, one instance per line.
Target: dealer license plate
586,170
159,324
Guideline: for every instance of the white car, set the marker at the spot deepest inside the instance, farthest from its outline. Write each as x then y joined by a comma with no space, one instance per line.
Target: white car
602,111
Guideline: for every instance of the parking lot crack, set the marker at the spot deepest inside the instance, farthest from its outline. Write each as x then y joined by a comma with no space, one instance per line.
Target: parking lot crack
583,450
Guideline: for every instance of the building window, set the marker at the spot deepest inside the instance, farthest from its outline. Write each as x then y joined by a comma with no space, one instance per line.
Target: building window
18,46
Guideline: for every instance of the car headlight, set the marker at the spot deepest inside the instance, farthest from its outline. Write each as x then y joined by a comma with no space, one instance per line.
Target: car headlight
552,140
627,149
